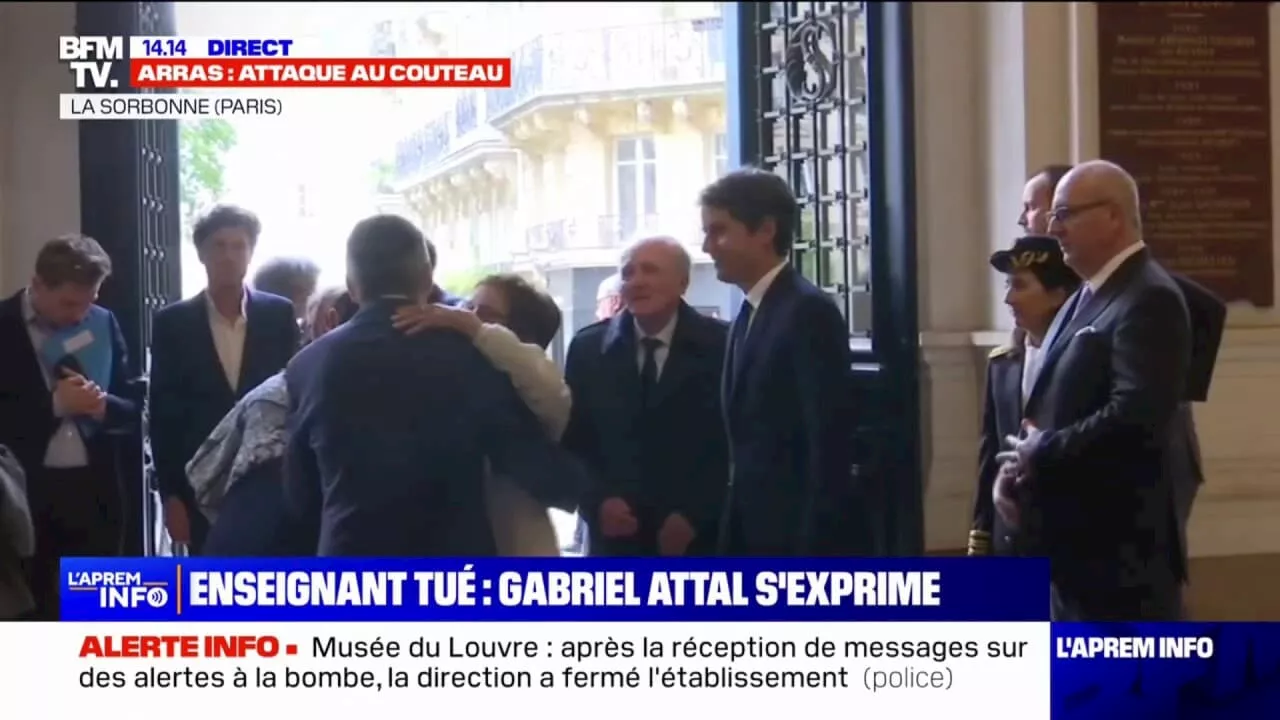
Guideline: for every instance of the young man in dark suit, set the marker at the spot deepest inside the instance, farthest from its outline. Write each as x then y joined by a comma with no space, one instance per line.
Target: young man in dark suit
787,382
646,416
63,367
1087,484
206,353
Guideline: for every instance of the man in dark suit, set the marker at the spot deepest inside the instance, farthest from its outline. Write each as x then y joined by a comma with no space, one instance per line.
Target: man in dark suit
206,353
787,383
62,370
1208,319
389,433
1087,484
646,415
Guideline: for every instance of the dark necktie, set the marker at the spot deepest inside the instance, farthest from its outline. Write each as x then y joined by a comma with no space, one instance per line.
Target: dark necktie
649,368
739,335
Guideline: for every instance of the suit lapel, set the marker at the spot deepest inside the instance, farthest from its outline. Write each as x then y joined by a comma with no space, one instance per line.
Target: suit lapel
619,350
253,327
682,356
726,376
1009,391
763,318
1083,317
12,323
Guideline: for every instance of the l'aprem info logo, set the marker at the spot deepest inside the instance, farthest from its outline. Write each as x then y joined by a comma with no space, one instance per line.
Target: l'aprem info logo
120,589
91,59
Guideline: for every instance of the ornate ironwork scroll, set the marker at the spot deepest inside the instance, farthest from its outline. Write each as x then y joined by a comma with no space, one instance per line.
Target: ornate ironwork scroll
813,132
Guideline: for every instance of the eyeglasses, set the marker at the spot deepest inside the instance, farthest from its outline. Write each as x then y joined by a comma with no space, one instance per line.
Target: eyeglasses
1063,213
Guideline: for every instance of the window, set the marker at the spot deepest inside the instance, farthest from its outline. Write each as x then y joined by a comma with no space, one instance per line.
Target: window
720,156
636,183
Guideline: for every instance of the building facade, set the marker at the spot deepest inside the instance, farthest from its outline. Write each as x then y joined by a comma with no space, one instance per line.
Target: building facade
614,121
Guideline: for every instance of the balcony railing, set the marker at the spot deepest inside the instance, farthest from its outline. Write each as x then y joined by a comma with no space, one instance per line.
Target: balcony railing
679,52
683,52
586,233
424,147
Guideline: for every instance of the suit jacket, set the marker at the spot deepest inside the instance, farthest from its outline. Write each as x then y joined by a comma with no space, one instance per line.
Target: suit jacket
1001,417
189,390
27,421
388,437
788,411
1100,495
671,457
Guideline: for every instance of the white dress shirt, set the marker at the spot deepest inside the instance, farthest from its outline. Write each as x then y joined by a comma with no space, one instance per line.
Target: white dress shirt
228,338
663,336
1031,356
66,447
756,295
1100,278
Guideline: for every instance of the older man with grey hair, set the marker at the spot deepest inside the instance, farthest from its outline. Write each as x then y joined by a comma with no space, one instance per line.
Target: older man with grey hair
609,297
1087,483
646,414
292,278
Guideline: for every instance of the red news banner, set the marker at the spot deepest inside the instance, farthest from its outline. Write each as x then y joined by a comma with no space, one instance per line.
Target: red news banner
184,646
319,73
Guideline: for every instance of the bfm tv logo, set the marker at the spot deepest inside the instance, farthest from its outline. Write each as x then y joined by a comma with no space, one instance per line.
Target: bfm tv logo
120,589
90,58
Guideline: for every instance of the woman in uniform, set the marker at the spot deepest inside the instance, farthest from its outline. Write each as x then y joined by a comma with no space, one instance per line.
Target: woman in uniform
1038,283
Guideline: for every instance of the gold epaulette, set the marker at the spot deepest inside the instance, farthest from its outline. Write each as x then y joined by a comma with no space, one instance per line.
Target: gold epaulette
979,542
1000,352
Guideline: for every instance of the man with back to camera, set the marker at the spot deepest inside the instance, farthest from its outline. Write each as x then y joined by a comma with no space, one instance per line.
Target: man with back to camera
206,353
389,432
62,372
787,389
646,416
1087,483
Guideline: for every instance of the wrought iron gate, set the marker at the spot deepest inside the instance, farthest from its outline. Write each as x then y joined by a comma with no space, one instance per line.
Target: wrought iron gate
821,95
129,203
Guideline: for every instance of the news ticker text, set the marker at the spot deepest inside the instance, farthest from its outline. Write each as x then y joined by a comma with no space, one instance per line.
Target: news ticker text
924,667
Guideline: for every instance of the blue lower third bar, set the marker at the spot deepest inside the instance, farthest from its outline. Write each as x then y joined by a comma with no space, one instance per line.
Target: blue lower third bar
585,590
